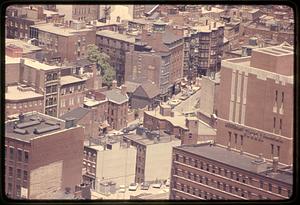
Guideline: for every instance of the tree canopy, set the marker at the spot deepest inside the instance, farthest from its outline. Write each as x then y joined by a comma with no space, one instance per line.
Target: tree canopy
102,61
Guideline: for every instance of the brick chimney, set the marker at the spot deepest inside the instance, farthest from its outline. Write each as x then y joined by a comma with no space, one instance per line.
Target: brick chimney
275,164
123,89
114,84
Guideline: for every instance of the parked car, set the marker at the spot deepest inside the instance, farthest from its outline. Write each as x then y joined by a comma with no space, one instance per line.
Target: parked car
122,189
145,186
157,185
133,187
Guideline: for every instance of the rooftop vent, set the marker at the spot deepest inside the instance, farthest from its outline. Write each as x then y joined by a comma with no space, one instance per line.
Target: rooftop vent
46,129
28,124
20,131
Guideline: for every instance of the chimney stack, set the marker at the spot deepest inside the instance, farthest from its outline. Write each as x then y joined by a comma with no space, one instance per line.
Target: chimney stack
123,89
114,84
275,164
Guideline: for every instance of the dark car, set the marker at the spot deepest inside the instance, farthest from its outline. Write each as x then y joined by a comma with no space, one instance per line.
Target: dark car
145,186
130,128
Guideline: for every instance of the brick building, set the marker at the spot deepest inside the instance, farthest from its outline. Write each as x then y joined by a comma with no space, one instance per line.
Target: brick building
255,104
42,156
79,12
21,99
65,42
72,92
189,130
115,45
17,48
212,172
205,49
20,18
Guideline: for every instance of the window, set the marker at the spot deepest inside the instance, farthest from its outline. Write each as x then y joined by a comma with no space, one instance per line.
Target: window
19,155
261,184
272,149
19,173
9,188
11,153
278,150
229,136
279,190
176,157
276,95
270,187
25,156
274,122
235,138
280,124
282,97
18,190
10,171
242,139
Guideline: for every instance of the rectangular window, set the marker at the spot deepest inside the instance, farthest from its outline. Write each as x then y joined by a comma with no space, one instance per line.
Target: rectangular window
242,139
26,156
25,175
235,138
278,150
261,184
176,157
19,173
279,190
11,153
10,171
276,95
18,190
229,133
270,187
280,124
274,122
19,155
282,97
272,149
9,188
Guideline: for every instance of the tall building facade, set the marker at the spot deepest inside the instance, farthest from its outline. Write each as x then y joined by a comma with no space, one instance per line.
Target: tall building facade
42,156
255,105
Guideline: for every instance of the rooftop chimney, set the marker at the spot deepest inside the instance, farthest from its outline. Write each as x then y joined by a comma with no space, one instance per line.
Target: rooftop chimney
123,89
275,164
114,84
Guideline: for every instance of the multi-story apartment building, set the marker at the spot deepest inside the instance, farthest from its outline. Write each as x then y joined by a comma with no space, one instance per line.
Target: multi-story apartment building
21,99
42,156
255,104
67,43
115,45
112,161
205,49
72,92
189,130
212,172
20,18
153,154
117,106
80,12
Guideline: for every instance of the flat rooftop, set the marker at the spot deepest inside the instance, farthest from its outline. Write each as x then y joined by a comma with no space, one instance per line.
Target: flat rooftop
235,159
11,60
116,35
27,47
37,65
14,93
24,131
143,139
69,79
59,30
92,102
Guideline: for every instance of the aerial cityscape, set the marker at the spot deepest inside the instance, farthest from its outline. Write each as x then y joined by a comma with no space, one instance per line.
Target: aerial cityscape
149,102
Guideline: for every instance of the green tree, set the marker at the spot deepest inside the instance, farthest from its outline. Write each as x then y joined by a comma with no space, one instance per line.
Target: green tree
102,60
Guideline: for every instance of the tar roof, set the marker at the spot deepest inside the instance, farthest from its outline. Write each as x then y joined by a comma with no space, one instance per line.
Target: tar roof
116,35
150,88
58,30
15,93
235,159
77,113
170,37
69,79
24,131
131,86
37,65
116,96
27,47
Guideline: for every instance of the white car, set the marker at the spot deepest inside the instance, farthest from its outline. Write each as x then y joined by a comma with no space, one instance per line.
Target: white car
122,189
133,187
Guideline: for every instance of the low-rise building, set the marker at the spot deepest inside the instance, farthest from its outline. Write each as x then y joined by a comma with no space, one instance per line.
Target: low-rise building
43,155
212,172
154,153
